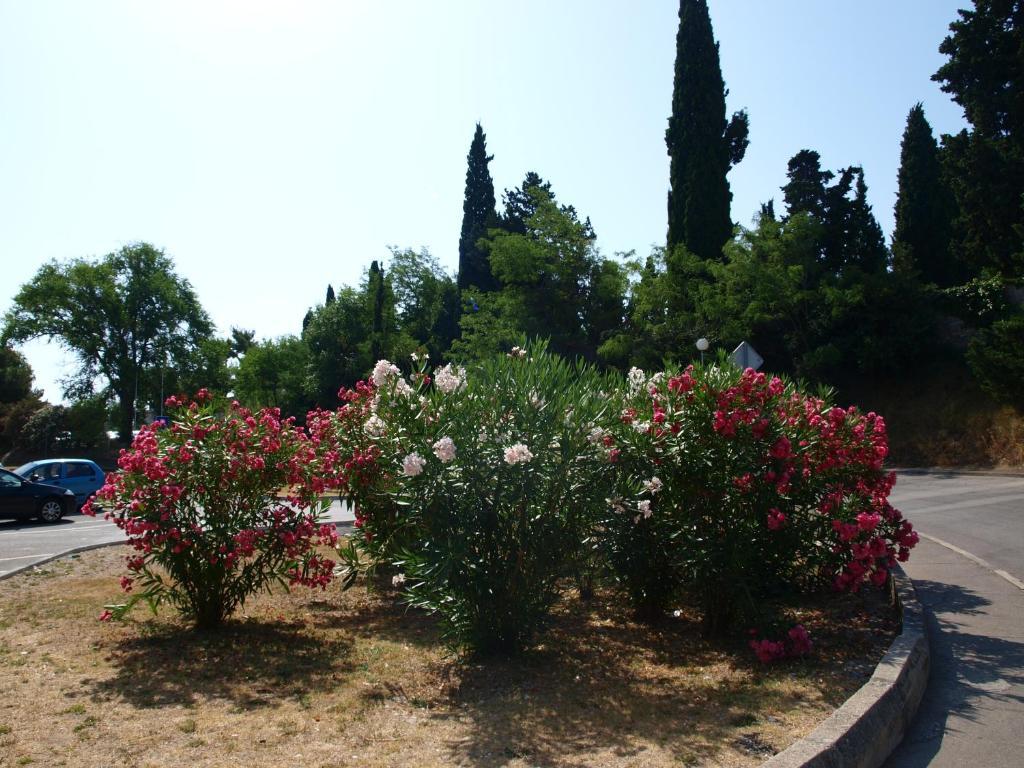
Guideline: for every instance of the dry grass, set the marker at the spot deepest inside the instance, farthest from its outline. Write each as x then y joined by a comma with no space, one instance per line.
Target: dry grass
351,679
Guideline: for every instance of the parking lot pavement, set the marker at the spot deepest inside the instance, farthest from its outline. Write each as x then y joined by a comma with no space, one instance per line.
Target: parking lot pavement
27,543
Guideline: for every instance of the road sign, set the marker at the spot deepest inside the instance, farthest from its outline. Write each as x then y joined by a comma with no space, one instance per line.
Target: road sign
745,356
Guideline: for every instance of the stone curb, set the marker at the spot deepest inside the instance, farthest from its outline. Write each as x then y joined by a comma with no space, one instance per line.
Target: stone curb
59,555
865,730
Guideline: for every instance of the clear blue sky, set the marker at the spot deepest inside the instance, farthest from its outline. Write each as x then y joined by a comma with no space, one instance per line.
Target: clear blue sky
273,147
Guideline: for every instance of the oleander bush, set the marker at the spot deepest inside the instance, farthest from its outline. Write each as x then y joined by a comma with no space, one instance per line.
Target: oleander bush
478,486
198,501
734,485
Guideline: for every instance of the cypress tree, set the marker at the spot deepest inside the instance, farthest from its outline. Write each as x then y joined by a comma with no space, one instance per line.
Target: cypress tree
924,207
330,295
478,215
865,243
701,144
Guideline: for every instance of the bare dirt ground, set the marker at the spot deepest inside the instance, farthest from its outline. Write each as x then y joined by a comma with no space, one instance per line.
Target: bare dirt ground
330,679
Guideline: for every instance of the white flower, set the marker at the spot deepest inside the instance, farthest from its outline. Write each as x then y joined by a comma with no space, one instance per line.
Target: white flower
517,352
375,426
444,449
403,388
677,613
645,508
450,379
413,464
636,380
383,371
536,400
653,485
398,580
518,453
417,356
641,426
596,435
656,379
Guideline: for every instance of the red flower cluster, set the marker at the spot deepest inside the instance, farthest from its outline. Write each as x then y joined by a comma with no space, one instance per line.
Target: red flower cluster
796,643
200,500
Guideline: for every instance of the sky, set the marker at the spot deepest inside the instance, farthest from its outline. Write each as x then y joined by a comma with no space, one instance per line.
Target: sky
271,148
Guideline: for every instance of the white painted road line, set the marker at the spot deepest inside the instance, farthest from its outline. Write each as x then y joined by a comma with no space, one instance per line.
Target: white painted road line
975,559
77,528
25,557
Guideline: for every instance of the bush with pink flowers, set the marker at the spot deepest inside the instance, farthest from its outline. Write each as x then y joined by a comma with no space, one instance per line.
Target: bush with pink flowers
198,502
733,486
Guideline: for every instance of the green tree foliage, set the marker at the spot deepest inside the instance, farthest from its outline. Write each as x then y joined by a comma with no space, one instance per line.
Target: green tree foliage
701,144
15,376
381,308
996,357
119,315
985,76
17,399
554,283
338,347
850,236
241,341
823,326
274,373
804,191
426,299
924,208
478,215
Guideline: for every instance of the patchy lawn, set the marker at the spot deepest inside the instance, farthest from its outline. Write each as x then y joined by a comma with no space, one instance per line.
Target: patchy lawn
352,679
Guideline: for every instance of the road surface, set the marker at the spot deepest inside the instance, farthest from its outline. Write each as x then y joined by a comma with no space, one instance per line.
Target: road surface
24,544
969,582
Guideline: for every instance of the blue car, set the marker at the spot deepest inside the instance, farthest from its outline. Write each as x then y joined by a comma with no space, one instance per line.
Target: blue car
80,476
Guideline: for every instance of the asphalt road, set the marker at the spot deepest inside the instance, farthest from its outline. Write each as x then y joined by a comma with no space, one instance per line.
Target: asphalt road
970,583
24,544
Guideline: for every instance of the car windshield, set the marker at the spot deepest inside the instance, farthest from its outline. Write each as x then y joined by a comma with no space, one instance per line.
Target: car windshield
25,469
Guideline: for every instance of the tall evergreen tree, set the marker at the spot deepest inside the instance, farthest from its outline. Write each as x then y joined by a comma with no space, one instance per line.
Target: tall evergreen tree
478,215
865,243
376,291
701,144
985,76
805,190
329,299
924,207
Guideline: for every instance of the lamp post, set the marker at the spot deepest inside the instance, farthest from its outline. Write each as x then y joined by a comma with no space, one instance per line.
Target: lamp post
702,345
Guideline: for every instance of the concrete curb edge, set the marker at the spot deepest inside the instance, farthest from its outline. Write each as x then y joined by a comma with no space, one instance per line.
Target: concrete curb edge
865,730
59,555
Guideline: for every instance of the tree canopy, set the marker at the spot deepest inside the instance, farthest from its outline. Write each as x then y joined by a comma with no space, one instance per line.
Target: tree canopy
119,315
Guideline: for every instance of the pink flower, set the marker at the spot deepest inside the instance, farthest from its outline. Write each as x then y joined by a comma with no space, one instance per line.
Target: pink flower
106,616
444,449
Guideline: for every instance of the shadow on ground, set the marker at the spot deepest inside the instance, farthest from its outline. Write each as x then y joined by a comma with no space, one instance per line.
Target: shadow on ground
969,672
250,663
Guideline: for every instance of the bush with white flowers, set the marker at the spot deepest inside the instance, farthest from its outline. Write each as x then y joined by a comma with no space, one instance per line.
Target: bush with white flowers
483,484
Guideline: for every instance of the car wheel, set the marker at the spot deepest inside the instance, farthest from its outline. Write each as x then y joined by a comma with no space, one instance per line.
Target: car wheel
51,510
